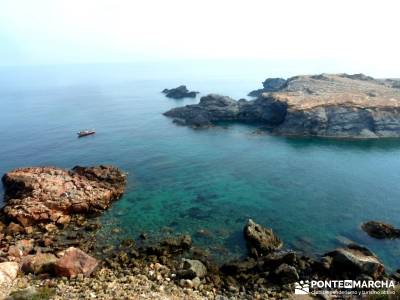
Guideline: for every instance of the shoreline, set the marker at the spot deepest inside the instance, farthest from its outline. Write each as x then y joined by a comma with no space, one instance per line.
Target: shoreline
173,266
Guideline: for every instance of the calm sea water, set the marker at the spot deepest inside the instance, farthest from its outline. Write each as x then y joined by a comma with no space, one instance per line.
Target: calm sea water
313,192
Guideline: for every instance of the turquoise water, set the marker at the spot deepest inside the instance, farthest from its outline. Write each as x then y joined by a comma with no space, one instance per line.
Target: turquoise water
313,192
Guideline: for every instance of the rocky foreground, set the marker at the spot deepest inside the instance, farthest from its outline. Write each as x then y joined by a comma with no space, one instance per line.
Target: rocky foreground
338,105
42,257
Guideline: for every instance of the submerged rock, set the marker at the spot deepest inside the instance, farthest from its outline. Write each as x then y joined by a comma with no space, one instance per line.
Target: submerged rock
380,230
179,92
260,240
354,261
47,194
340,106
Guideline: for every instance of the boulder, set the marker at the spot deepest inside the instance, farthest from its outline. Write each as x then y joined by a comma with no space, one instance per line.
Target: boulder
241,266
75,262
8,272
50,195
286,274
191,268
14,228
260,240
39,263
354,261
380,230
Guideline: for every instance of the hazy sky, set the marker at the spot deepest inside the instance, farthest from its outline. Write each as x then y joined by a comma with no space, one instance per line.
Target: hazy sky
360,33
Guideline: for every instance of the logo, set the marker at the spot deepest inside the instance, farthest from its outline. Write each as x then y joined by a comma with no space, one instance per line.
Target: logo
302,287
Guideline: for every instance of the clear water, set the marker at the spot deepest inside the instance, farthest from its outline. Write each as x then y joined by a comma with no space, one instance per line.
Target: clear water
313,192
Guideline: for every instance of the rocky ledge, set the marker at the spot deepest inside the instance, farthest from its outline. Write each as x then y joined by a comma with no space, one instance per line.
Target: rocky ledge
51,195
328,105
179,93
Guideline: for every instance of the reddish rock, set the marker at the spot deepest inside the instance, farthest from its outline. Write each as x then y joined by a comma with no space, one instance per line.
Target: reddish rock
75,262
14,228
50,195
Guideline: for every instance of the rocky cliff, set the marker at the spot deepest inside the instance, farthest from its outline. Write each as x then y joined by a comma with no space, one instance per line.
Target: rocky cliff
340,105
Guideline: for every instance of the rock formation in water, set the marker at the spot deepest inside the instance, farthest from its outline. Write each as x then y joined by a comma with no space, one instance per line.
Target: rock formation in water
179,93
50,195
380,230
340,106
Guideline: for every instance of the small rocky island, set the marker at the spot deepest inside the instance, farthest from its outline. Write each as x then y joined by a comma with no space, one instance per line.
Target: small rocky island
180,92
326,105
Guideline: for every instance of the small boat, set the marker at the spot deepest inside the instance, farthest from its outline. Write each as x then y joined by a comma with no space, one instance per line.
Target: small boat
86,133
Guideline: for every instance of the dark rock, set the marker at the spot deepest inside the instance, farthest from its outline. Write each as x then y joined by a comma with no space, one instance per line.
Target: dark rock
353,261
270,85
328,105
191,268
39,263
380,230
260,240
286,274
179,92
177,244
237,267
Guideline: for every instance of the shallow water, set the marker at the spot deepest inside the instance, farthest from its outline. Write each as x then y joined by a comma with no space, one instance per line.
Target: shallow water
313,192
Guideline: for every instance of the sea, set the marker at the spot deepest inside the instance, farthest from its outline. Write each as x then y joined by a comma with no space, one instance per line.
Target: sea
313,192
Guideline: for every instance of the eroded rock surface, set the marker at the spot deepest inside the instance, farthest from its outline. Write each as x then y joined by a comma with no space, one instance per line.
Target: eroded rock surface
47,194
341,106
353,261
260,240
75,262
8,272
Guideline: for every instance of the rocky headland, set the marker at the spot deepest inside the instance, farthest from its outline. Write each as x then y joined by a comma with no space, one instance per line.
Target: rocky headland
180,92
327,105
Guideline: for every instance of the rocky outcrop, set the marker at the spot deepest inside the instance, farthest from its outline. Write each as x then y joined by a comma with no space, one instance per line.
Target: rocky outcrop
74,262
8,272
340,106
179,93
354,261
47,194
380,230
269,85
260,240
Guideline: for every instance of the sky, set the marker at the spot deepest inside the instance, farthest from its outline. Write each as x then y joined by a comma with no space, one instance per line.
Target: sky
355,33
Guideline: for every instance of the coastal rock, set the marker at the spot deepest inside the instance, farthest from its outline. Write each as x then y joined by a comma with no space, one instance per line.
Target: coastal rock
74,262
8,272
179,92
260,240
191,268
39,263
329,105
380,230
269,85
354,261
47,194
285,274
